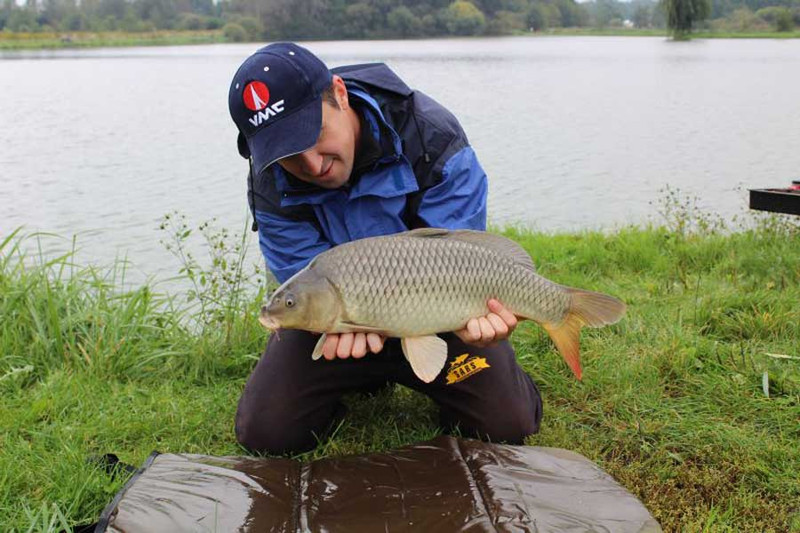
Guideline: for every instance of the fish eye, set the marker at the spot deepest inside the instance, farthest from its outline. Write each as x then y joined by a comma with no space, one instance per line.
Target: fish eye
289,301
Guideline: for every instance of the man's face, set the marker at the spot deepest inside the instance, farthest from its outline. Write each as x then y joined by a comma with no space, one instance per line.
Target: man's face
329,162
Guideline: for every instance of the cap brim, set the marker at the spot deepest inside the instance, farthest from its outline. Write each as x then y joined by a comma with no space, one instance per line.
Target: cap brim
287,136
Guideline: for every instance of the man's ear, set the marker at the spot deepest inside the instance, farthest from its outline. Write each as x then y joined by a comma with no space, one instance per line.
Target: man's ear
340,92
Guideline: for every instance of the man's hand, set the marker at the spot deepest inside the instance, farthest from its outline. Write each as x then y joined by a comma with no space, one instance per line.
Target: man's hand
485,330
344,345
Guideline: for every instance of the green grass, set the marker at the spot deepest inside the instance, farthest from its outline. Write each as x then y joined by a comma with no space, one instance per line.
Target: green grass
87,39
671,404
662,32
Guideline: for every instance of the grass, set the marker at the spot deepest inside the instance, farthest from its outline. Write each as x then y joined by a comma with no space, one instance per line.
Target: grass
673,401
87,39
662,32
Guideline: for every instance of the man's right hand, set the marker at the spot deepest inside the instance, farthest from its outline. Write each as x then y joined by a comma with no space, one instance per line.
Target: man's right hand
344,345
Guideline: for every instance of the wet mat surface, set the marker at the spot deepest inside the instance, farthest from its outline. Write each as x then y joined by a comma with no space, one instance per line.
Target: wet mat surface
446,484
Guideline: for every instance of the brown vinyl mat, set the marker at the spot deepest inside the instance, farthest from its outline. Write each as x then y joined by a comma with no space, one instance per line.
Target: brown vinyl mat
442,485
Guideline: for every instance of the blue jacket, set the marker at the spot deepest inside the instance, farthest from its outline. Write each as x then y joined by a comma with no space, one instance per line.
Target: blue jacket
427,176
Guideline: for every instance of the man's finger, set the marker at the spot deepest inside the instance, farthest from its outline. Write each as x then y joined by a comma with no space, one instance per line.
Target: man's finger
499,309
359,345
473,330
345,347
329,346
375,342
500,327
487,331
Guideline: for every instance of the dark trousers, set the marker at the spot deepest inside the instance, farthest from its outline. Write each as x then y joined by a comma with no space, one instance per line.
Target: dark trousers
290,401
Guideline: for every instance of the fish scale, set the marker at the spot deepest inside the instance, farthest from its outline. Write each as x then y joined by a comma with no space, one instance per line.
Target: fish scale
411,286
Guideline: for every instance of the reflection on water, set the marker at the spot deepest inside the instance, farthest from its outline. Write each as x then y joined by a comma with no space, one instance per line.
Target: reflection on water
573,132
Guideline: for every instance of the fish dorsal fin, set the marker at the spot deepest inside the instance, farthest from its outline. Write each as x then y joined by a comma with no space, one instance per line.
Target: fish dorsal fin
498,243
426,355
427,232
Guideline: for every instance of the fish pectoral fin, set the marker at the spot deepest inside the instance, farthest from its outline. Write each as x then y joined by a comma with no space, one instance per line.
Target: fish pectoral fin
317,353
426,355
360,328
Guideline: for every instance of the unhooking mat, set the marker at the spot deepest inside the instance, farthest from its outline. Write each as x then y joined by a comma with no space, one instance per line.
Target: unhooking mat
443,485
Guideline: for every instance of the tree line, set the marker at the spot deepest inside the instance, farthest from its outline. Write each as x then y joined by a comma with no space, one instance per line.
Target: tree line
270,20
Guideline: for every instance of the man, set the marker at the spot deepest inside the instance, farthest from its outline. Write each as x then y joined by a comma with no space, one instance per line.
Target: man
342,155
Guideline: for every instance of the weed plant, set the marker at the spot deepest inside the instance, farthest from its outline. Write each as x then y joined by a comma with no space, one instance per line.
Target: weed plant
692,402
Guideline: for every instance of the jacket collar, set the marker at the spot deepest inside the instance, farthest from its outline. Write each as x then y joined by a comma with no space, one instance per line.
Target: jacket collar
377,183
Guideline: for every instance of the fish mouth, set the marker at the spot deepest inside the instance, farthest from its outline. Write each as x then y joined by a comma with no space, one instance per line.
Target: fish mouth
268,321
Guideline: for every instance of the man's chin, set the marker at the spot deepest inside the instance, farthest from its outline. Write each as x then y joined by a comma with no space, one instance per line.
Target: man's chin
331,182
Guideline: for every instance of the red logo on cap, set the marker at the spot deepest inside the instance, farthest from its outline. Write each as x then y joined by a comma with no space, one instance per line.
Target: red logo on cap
256,96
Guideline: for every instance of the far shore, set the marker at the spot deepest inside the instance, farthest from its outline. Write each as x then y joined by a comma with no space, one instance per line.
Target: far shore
58,40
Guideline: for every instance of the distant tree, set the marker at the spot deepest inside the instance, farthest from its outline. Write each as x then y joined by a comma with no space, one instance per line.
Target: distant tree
5,12
432,24
191,21
161,13
516,6
463,18
202,7
770,14
214,23
743,19
297,19
359,18
130,21
682,15
403,23
642,16
505,23
568,13
74,21
234,33
536,18
112,8
552,15
251,26
784,21
605,11
658,19
22,20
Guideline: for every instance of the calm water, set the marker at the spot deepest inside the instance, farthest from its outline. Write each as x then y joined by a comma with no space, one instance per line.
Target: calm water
573,132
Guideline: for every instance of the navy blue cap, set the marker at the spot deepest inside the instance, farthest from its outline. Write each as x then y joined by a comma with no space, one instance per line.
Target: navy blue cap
275,100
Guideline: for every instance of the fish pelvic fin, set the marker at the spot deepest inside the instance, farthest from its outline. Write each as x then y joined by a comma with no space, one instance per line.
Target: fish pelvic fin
587,308
426,355
317,353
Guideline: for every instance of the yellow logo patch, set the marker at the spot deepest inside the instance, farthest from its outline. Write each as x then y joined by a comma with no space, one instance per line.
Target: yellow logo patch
461,368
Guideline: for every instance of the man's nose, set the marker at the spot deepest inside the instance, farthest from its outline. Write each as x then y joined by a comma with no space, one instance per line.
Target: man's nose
311,162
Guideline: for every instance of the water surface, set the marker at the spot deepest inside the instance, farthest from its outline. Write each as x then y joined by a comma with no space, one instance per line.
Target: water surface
574,132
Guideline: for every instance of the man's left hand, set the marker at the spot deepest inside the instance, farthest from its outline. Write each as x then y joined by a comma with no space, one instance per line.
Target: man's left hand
485,330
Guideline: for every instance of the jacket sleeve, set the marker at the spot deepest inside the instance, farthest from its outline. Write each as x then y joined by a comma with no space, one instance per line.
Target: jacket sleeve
459,200
288,245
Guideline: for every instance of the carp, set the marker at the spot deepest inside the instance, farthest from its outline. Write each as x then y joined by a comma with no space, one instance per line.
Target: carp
418,283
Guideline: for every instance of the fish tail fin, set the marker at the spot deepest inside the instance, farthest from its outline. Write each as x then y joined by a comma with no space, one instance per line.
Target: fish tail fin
587,308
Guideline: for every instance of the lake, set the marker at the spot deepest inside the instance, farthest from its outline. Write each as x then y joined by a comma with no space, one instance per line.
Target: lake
574,132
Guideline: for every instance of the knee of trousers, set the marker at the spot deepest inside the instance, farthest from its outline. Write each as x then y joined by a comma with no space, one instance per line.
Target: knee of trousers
516,423
510,420
261,433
